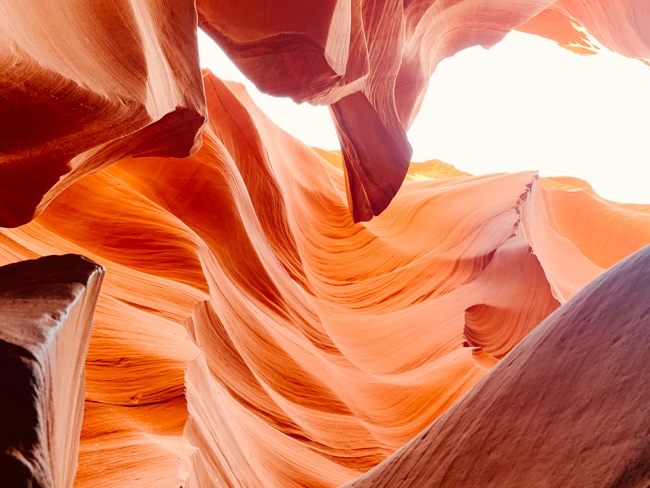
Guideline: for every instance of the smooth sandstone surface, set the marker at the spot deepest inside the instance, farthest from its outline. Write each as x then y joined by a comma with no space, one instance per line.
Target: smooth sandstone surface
84,84
306,348
567,407
46,320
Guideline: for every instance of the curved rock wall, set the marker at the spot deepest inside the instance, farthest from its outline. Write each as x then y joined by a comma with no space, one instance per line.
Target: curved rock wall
85,84
325,345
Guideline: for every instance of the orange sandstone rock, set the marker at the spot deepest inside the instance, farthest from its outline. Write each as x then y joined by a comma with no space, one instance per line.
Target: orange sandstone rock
620,25
135,407
89,84
85,84
305,347
567,407
46,319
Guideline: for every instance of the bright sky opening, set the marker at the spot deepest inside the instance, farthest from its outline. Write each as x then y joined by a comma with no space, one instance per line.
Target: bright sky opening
524,104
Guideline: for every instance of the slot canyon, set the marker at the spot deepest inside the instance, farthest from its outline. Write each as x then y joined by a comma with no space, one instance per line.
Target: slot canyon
191,297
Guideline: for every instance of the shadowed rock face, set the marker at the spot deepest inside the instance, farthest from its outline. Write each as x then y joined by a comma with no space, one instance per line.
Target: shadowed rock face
46,318
305,346
567,407
85,84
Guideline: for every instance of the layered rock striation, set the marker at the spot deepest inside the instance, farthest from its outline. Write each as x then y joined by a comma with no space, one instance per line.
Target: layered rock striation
567,407
89,84
86,84
371,61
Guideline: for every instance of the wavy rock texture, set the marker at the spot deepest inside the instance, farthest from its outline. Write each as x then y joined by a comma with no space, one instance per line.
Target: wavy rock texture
325,345
372,60
567,407
621,26
46,319
135,407
84,84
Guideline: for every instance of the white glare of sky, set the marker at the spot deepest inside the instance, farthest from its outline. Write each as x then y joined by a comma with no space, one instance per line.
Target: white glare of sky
526,103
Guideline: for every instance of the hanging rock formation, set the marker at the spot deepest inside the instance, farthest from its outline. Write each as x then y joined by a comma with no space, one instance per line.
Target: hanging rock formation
371,61
621,26
85,84
46,318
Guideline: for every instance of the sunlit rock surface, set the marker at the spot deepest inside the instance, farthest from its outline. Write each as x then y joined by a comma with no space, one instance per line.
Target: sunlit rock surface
306,348
567,407
84,84
46,320
372,60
